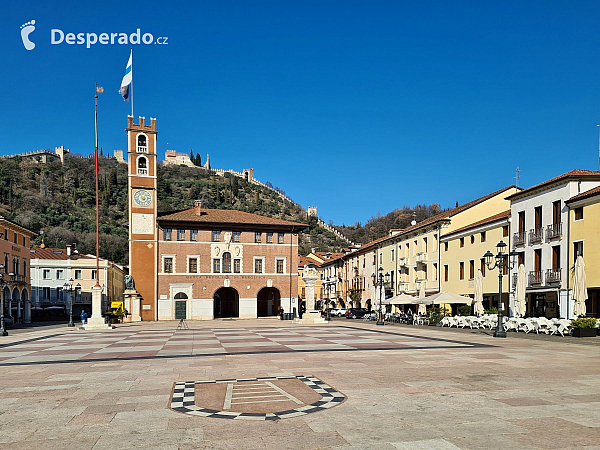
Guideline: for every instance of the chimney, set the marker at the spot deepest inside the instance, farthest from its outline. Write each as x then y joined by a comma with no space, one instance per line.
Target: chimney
198,206
69,250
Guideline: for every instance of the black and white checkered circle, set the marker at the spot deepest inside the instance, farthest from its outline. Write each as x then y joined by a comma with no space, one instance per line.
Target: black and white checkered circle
183,399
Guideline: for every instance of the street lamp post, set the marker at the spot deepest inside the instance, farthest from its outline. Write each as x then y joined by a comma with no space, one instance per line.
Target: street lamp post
3,283
328,290
500,261
379,281
68,288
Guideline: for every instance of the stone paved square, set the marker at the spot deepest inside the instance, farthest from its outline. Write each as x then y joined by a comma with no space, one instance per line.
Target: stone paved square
405,387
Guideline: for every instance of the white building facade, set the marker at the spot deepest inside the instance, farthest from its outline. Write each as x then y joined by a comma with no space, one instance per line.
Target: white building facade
540,237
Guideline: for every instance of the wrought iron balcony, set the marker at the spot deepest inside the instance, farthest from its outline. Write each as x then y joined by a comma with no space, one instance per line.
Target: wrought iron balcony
554,231
536,235
519,238
403,287
18,278
421,257
535,277
553,276
403,261
142,149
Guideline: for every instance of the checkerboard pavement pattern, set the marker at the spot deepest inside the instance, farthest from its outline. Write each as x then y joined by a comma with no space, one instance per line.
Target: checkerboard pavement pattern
137,344
184,401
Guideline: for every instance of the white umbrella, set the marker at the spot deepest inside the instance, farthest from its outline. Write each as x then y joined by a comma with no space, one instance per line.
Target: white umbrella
520,291
448,298
579,287
422,309
478,304
402,299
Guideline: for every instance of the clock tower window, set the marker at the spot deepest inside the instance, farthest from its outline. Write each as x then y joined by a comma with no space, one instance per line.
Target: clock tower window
142,143
142,165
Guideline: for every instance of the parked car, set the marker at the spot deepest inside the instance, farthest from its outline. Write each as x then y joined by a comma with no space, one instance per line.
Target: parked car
356,313
339,312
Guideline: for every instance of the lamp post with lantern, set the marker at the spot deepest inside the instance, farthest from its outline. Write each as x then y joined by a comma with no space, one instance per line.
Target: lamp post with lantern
379,281
502,261
68,288
3,283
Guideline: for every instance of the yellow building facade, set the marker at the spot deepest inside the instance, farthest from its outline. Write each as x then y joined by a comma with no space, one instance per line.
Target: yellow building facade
462,258
584,239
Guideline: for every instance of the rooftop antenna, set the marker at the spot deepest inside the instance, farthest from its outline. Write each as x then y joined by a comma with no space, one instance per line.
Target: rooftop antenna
517,172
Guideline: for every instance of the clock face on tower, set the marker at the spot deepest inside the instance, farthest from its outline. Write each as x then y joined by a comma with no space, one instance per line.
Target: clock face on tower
142,198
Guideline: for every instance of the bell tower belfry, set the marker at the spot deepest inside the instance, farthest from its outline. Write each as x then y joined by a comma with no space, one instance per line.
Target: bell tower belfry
143,233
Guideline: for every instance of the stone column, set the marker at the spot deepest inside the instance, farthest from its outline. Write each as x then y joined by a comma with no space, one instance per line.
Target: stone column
96,322
310,277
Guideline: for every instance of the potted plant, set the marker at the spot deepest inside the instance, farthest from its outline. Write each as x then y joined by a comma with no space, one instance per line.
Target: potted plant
584,327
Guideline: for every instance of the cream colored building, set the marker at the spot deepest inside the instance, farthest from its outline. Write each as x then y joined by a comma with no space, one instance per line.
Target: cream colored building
584,239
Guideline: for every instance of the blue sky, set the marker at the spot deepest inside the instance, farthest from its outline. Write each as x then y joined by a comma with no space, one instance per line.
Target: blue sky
356,107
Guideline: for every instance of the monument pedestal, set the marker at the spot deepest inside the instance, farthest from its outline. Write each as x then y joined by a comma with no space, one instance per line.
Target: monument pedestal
96,322
133,300
311,318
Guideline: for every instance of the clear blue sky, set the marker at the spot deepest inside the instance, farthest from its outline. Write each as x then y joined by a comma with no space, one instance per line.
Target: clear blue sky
356,107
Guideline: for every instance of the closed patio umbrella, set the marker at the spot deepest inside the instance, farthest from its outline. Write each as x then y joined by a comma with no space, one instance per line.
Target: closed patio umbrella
579,287
478,303
520,291
422,309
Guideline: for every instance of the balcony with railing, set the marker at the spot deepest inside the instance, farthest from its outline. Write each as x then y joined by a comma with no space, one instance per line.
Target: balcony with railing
554,231
403,286
553,276
536,235
514,280
421,257
142,171
403,262
535,278
519,238
142,149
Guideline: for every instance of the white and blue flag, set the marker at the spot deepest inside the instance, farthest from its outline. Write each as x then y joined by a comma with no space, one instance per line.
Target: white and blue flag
126,83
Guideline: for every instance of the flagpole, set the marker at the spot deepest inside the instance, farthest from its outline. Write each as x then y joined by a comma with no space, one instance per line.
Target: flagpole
97,202
131,82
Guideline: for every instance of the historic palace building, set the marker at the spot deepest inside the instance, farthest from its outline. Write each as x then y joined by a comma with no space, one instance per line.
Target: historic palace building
203,263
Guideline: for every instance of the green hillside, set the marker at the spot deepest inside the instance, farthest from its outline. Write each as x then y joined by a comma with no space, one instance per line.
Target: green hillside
59,200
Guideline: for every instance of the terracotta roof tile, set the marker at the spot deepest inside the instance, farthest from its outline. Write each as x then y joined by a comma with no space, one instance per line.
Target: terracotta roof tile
577,173
55,253
590,193
305,260
491,219
225,216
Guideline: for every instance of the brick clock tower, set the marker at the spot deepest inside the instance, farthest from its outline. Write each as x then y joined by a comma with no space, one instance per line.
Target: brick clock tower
143,233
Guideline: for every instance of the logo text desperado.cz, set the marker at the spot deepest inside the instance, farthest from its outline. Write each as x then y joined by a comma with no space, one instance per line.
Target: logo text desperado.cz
58,37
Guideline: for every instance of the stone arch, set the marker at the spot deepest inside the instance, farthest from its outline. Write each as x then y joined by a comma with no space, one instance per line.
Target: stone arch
268,302
226,303
142,165
141,141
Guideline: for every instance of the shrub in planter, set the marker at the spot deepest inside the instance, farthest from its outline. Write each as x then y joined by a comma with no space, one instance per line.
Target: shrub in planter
584,322
492,310
435,315
584,327
464,310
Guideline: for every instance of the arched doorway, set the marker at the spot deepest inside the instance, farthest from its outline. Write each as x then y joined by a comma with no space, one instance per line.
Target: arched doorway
180,306
226,303
16,304
268,302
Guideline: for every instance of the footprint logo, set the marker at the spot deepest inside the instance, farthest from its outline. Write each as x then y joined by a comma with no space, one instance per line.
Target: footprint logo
26,30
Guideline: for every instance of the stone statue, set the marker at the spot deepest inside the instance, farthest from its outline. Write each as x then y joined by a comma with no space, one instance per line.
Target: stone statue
129,283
